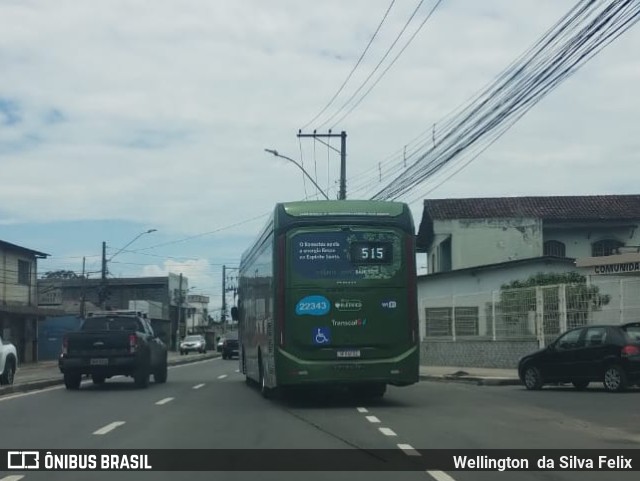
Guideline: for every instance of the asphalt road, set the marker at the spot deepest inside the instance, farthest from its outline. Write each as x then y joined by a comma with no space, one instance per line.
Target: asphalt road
208,405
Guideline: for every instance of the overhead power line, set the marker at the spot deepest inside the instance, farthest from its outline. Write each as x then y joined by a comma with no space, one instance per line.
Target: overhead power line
375,69
324,109
583,32
364,95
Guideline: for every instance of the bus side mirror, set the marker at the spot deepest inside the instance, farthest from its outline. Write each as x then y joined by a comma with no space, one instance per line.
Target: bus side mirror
234,313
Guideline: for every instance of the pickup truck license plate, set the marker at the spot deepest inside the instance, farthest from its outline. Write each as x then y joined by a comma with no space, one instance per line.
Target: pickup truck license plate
349,353
99,362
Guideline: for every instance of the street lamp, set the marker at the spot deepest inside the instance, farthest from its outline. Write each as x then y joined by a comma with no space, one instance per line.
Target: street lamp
275,152
132,241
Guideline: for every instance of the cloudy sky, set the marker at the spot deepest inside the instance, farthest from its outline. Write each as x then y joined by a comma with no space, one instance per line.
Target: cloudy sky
121,116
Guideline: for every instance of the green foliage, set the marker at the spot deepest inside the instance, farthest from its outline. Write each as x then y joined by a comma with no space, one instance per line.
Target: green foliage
548,279
61,274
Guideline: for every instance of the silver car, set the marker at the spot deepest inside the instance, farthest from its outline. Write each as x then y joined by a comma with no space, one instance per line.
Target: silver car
195,343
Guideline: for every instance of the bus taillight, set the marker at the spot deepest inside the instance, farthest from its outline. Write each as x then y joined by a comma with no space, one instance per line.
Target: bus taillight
281,286
412,307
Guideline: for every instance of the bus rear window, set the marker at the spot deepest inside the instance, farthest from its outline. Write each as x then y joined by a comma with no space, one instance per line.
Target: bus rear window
346,255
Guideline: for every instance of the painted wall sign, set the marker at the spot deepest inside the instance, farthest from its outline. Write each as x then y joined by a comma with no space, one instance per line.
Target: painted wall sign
617,268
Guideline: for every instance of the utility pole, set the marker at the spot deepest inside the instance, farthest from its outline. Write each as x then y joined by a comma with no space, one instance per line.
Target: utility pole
223,317
343,156
179,309
84,283
103,290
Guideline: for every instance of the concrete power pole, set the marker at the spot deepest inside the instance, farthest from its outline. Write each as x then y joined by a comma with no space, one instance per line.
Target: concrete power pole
84,283
223,317
179,308
103,284
343,156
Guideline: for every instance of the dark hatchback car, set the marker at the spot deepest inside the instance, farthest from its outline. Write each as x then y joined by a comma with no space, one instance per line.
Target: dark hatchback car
230,346
604,353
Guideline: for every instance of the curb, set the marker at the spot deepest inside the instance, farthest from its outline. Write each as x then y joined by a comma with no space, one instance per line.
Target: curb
480,381
45,383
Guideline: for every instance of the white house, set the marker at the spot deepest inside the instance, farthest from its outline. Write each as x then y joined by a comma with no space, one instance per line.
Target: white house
475,247
197,313
19,312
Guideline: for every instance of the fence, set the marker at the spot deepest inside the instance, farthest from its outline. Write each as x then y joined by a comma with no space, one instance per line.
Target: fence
532,313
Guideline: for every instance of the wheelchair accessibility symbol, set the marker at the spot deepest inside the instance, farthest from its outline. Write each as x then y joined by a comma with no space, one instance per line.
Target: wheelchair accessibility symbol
321,335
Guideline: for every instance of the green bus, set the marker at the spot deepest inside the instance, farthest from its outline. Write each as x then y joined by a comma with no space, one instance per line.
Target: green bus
327,295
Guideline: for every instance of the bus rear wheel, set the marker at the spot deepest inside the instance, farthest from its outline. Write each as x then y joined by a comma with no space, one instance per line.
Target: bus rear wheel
264,390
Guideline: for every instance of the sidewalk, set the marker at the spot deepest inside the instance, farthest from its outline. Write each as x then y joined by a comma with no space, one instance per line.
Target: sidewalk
478,375
43,374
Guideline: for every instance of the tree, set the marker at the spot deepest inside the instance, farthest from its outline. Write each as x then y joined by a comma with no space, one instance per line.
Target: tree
61,274
518,299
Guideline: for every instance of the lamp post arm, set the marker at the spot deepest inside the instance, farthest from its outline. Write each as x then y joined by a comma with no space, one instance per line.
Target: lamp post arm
275,152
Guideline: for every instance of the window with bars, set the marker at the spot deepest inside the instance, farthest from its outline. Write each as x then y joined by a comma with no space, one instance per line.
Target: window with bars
605,247
438,321
554,248
24,272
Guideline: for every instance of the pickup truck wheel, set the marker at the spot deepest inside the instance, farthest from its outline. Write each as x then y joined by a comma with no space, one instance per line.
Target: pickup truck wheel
72,381
160,376
98,379
141,377
9,373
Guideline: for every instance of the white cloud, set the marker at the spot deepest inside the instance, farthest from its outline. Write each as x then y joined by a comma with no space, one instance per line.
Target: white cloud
158,112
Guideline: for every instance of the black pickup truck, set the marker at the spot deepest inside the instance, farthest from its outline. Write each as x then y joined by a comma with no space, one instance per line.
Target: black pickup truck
110,344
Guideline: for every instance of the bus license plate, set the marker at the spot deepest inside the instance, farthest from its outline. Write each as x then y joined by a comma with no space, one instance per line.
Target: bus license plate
349,353
99,362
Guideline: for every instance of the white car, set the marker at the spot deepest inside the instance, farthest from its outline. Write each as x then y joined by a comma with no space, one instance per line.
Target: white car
195,343
8,362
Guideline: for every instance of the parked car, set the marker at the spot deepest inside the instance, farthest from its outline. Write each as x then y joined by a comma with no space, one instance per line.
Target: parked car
8,362
113,343
195,343
230,345
609,354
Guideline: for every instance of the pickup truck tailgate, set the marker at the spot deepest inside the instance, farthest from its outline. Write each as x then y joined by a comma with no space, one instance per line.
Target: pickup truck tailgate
97,343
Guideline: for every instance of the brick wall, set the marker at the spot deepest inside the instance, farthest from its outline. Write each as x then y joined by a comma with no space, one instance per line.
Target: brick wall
477,353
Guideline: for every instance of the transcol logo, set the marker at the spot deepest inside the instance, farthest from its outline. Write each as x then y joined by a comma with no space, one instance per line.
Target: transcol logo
349,323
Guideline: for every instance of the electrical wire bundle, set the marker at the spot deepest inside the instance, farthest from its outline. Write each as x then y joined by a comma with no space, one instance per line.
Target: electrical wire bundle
577,37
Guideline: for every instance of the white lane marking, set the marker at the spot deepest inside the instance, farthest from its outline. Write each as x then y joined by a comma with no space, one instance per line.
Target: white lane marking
30,393
194,363
13,477
437,475
363,410
237,370
53,388
372,419
198,386
409,450
164,401
108,427
222,376
387,431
